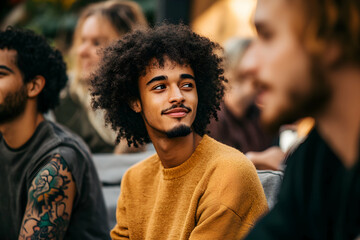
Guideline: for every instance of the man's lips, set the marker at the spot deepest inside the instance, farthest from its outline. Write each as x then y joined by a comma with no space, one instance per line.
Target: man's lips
262,91
176,111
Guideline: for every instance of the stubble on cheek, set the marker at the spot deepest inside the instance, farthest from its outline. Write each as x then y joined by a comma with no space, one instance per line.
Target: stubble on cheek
13,105
302,101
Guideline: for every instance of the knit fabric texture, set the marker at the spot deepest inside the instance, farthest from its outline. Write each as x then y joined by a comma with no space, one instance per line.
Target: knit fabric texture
215,194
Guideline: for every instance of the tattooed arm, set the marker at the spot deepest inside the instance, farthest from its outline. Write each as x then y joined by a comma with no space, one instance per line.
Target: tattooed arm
50,202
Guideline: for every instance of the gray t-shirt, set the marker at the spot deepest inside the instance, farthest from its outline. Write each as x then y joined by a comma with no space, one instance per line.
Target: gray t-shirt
18,167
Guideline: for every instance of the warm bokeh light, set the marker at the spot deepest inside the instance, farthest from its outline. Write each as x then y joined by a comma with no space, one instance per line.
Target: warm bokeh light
226,19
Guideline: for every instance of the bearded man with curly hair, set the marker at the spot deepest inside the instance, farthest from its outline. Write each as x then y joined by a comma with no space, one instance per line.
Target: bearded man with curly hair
48,183
163,85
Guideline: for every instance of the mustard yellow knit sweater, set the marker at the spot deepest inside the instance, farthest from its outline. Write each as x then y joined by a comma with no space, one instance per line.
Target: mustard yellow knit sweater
215,194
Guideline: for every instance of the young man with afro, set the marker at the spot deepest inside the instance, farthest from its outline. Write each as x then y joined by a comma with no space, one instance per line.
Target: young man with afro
163,85
48,184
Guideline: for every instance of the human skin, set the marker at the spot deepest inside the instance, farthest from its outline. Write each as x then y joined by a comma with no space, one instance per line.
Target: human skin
240,90
96,33
21,128
12,91
160,89
279,74
283,69
16,132
11,79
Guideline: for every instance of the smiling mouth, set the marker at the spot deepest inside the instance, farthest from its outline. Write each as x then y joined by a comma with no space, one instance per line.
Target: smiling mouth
176,111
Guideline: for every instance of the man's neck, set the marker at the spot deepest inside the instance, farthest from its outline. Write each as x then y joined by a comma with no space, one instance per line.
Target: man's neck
175,151
17,132
339,124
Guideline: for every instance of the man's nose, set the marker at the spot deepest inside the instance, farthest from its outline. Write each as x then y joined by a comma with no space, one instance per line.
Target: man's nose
83,50
249,62
176,95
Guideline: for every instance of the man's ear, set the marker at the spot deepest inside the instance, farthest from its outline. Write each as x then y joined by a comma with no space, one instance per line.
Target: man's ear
35,86
135,105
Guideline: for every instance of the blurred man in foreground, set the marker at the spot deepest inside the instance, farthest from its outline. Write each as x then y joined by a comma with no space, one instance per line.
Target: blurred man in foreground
48,184
307,63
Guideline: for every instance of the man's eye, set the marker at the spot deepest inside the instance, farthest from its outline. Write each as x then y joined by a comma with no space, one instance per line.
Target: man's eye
97,43
159,87
188,85
266,35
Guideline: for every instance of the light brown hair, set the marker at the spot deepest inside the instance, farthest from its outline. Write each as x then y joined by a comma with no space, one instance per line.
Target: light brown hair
124,16
327,22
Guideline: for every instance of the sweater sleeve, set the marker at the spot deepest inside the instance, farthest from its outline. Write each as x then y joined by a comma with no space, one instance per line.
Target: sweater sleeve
232,203
220,223
121,231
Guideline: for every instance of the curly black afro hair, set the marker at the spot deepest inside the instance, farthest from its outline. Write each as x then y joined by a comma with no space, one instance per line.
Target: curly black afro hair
35,57
115,83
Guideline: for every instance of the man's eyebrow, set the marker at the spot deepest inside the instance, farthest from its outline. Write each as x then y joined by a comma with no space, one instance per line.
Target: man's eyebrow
157,78
187,76
6,68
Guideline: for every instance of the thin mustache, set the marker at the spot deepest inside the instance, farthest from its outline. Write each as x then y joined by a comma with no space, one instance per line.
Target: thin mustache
175,106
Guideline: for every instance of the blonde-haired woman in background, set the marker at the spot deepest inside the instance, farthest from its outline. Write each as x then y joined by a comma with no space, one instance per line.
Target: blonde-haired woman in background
99,24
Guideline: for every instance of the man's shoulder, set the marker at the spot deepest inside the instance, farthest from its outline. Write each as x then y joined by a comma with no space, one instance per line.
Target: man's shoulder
71,149
64,134
224,162
56,139
307,149
231,178
64,138
144,168
75,157
218,152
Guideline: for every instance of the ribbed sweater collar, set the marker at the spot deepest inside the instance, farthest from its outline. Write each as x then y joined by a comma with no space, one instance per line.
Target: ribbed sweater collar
188,165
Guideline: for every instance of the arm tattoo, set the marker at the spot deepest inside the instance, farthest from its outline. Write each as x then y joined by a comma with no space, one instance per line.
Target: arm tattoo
49,206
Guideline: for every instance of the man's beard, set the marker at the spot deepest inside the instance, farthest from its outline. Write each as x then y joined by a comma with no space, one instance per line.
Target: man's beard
179,131
13,105
304,104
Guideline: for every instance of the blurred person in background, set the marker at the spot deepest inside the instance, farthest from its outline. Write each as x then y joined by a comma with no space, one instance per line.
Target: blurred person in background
306,61
48,183
238,122
98,25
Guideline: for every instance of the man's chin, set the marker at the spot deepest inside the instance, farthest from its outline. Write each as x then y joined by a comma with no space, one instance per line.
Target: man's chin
179,131
272,123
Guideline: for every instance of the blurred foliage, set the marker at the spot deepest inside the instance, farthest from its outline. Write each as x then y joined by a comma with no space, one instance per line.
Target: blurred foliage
56,19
